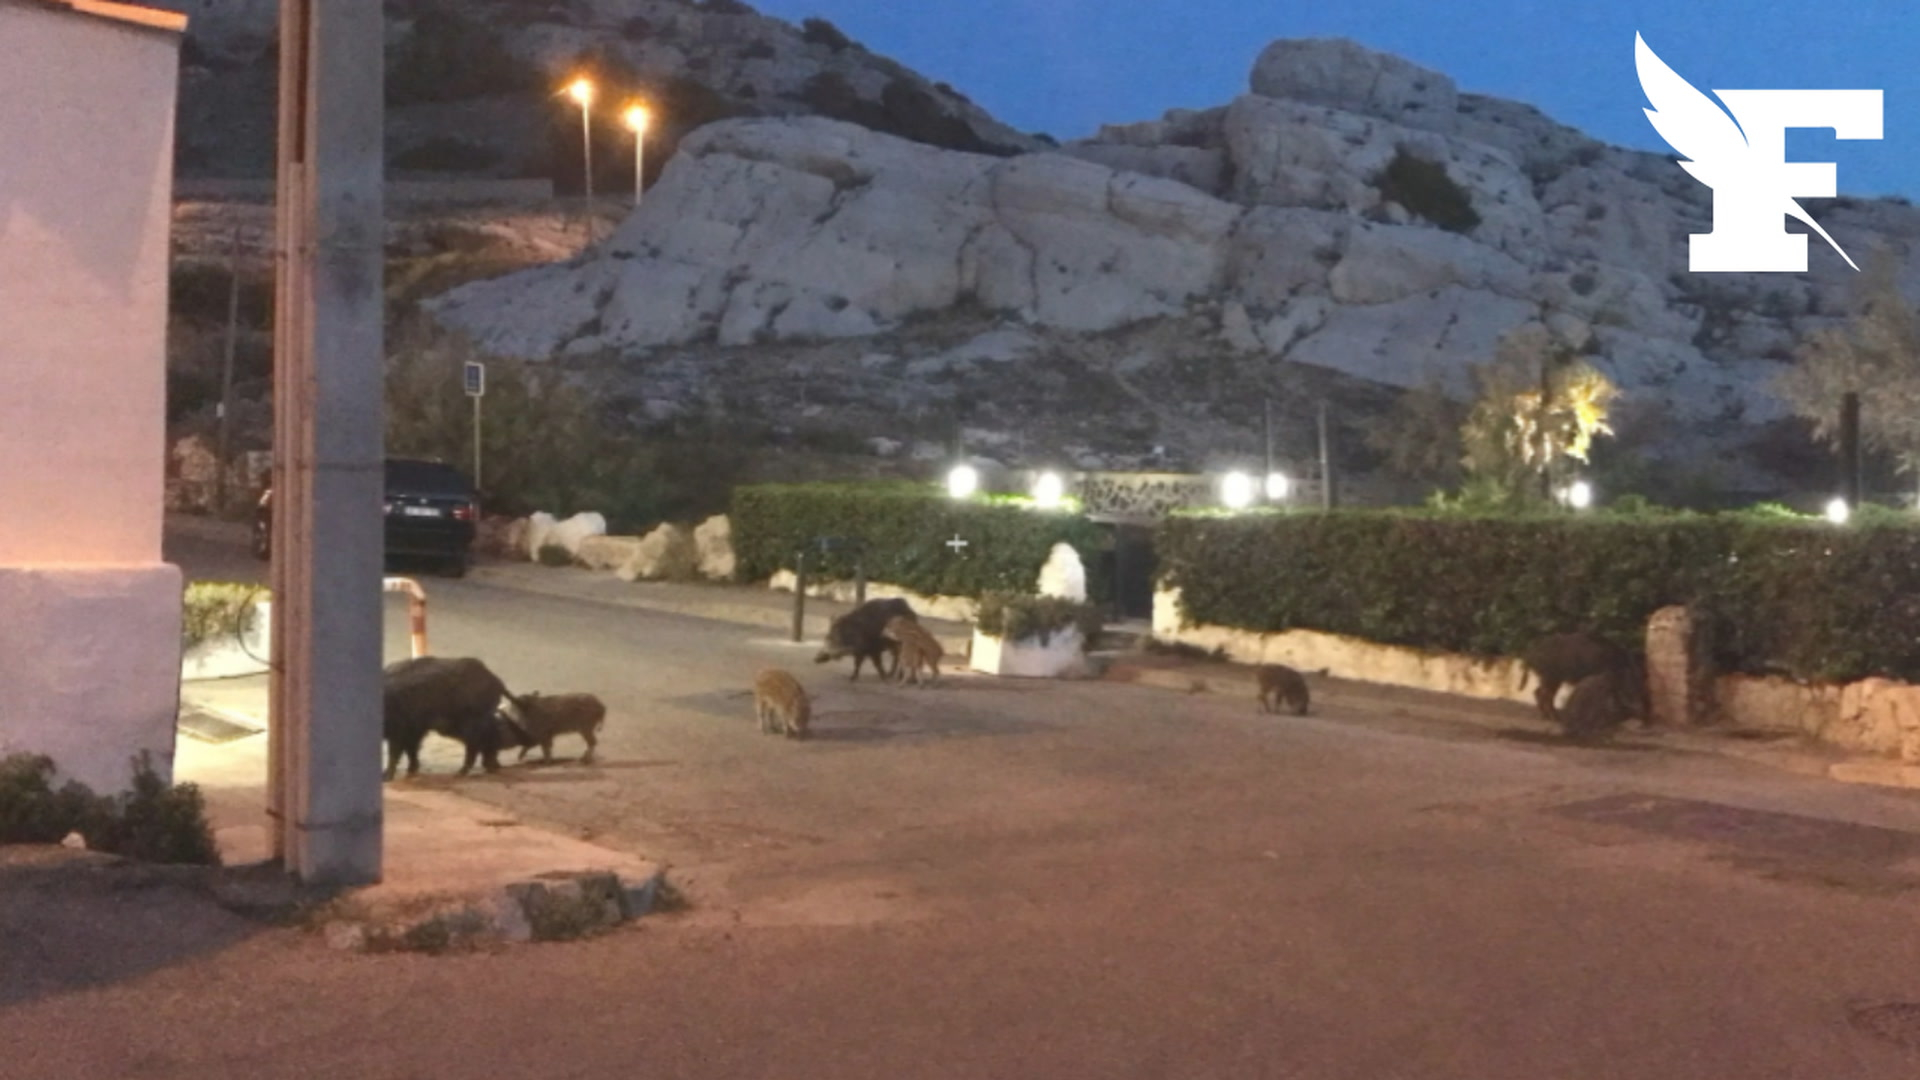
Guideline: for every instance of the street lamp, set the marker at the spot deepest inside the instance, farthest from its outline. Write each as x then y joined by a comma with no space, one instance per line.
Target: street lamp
963,481
1580,495
581,91
1279,486
1236,490
1839,512
1048,490
637,118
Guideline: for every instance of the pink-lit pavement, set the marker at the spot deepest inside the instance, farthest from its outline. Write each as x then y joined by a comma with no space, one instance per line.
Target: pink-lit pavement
1076,879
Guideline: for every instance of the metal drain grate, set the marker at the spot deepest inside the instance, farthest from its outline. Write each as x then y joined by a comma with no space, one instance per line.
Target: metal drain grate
215,727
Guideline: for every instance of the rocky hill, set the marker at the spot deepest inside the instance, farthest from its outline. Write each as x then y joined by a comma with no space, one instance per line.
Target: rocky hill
1352,223
470,84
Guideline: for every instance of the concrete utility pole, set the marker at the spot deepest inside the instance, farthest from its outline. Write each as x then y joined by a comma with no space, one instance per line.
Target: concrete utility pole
324,789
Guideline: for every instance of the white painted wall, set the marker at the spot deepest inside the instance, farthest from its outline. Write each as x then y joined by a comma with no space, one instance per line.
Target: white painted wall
86,161
90,640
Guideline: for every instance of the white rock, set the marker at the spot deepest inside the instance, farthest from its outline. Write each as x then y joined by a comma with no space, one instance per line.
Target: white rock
606,552
1403,342
539,528
1063,575
1392,262
572,532
713,543
665,554
1197,167
1349,76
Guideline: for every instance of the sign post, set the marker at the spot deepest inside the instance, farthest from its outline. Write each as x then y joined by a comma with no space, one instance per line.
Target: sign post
475,379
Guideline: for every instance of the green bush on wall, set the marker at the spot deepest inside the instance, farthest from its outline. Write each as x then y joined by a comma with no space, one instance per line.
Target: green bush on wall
1806,598
905,529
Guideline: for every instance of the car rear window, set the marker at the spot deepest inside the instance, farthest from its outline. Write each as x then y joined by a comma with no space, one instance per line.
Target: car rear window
426,478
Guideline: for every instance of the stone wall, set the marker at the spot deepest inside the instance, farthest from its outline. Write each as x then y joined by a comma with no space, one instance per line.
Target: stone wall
1347,657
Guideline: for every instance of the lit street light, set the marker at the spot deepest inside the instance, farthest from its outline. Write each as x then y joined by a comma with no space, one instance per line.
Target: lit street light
1839,512
963,481
1580,495
581,91
1048,490
1236,490
1279,486
637,118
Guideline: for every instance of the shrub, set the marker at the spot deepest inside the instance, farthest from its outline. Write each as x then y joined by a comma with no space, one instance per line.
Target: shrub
904,528
555,555
1424,188
1020,617
152,821
213,609
817,31
32,811
1819,602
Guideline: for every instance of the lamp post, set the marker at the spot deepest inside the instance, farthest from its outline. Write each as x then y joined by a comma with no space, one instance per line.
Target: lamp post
581,91
637,117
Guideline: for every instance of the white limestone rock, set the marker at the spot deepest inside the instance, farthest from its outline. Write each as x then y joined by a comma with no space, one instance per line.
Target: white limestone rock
668,553
1348,76
1063,575
1404,342
539,529
713,547
574,531
1391,262
606,552
1203,168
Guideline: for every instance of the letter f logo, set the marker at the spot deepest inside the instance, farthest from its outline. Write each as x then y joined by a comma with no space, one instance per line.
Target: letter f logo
1743,158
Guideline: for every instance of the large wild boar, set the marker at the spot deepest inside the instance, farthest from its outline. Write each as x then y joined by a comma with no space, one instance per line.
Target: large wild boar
454,697
1559,659
862,634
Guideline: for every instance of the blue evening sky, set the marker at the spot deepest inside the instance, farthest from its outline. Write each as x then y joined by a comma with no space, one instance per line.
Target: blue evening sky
1066,66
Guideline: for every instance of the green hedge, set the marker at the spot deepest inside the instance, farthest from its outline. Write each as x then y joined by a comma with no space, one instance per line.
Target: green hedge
905,528
1806,598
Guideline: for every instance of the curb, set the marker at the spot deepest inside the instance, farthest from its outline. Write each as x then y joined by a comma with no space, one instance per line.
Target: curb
559,906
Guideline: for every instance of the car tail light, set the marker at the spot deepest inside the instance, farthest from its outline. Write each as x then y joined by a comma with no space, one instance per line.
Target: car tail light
463,512
387,507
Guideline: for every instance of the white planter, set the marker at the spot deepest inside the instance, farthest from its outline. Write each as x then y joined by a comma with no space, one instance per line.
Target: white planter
225,656
1029,659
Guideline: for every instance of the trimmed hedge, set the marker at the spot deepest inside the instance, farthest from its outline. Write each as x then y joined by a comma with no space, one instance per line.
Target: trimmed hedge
1807,599
904,529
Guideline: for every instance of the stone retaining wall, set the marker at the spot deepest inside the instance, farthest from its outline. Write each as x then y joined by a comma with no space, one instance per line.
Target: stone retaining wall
1873,716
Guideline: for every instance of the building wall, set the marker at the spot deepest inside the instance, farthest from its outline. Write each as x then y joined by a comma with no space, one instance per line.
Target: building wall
89,615
86,160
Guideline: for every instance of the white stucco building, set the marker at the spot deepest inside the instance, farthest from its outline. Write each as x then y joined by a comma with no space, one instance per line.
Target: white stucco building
89,615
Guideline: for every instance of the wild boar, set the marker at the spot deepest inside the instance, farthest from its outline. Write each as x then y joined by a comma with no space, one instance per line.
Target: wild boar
543,717
1559,659
454,697
861,634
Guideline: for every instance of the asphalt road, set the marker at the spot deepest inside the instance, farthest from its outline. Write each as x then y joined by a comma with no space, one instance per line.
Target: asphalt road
1073,879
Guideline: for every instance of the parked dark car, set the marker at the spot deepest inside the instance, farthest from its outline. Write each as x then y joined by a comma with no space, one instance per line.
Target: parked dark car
431,510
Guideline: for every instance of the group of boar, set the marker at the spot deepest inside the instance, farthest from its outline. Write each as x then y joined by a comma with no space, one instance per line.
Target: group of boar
463,700
875,631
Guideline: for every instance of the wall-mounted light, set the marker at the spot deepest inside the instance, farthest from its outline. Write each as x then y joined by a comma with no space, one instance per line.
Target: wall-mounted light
963,481
1048,490
1236,490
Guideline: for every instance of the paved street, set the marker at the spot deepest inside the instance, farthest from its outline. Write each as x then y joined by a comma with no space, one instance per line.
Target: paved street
997,878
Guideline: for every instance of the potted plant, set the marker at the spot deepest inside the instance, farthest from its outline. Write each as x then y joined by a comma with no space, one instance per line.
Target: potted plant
1032,636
